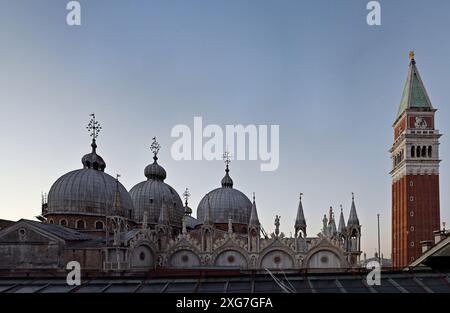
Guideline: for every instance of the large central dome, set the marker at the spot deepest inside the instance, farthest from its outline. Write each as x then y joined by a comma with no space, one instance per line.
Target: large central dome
225,202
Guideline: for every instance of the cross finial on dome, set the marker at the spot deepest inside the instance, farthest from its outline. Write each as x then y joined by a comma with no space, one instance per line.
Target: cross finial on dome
227,157
155,147
94,128
186,195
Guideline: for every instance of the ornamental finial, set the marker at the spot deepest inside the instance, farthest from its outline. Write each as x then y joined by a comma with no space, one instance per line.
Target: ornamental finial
301,194
94,128
227,159
411,56
186,195
155,147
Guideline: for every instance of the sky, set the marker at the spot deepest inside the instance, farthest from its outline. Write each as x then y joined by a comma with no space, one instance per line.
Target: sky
315,68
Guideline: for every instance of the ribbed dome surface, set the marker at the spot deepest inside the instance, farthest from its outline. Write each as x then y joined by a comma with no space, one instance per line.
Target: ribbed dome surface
150,194
155,171
226,202
87,191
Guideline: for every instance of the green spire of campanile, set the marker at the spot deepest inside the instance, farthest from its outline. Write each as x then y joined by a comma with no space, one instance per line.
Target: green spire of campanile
414,92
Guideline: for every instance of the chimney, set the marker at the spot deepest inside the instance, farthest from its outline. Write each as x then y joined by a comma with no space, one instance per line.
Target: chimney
426,245
439,235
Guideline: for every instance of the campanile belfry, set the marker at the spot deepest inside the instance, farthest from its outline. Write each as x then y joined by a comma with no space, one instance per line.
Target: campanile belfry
415,171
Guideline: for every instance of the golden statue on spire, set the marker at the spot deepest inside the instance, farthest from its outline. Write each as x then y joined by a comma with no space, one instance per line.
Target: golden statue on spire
411,55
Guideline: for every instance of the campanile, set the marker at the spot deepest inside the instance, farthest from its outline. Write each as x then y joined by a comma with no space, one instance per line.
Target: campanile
415,171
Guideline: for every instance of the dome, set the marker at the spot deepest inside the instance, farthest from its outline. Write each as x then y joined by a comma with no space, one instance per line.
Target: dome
93,160
88,192
155,171
226,202
149,196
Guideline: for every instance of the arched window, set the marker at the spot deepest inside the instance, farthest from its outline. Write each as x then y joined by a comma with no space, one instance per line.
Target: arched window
430,150
81,224
418,151
50,221
424,151
413,151
99,225
63,222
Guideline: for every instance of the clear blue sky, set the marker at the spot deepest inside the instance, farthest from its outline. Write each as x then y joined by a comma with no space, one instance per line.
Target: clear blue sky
330,81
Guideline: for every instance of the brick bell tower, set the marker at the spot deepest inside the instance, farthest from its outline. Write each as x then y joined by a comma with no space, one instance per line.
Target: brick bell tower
415,171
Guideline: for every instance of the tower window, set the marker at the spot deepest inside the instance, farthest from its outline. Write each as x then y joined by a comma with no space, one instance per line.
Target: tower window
411,213
63,222
413,151
412,243
411,198
411,228
411,183
430,150
424,151
418,151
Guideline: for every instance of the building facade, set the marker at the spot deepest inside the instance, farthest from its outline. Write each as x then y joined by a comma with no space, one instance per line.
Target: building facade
89,217
415,171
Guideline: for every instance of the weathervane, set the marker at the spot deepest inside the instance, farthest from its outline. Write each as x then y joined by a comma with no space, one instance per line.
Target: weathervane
186,195
301,194
93,127
155,147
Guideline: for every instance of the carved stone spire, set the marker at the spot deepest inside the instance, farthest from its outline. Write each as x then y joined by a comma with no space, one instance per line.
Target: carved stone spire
254,220
353,217
300,222
341,227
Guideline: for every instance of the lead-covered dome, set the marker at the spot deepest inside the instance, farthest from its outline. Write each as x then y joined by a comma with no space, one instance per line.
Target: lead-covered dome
89,191
150,195
225,202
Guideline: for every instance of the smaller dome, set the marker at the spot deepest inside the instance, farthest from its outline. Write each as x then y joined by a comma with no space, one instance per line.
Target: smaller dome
227,182
155,171
187,210
93,160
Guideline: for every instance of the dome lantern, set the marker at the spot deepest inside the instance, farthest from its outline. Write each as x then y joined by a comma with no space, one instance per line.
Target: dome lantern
93,160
